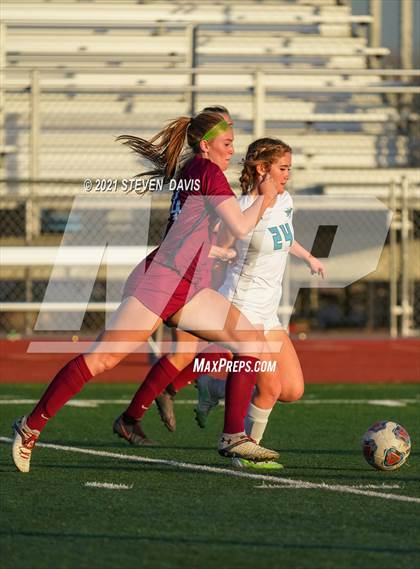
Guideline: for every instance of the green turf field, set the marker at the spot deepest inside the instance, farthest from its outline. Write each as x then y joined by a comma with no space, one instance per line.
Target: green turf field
180,515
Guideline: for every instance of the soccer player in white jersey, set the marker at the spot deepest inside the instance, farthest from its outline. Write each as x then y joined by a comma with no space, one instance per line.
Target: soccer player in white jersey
253,282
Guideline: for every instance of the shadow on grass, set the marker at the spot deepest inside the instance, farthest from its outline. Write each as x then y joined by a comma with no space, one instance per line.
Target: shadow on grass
148,468
178,540
308,472
304,468
337,452
128,467
121,445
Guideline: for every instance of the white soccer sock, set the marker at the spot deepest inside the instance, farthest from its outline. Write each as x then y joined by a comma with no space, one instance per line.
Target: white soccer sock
256,421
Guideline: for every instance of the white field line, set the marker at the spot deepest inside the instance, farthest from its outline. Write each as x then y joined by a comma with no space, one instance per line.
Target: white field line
297,484
108,485
385,486
366,486
91,403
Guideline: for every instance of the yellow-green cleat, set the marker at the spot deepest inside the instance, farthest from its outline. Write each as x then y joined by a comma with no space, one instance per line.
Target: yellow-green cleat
245,464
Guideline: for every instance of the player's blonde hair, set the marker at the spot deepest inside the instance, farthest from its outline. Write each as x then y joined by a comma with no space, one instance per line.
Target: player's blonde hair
263,151
165,148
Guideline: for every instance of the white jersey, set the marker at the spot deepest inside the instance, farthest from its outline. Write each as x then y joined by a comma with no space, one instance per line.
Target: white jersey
254,280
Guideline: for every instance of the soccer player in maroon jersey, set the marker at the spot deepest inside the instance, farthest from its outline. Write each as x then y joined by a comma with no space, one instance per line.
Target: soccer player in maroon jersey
185,344
172,285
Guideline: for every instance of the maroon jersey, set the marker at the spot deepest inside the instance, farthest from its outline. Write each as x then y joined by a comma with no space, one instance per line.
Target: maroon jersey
201,186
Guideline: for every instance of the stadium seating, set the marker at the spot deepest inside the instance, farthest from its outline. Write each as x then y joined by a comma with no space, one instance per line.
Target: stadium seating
204,12
104,71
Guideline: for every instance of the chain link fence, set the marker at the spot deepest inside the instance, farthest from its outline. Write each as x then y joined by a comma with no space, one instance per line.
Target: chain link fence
59,137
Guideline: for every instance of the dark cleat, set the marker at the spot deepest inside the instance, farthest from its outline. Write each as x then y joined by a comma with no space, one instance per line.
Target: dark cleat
165,405
132,432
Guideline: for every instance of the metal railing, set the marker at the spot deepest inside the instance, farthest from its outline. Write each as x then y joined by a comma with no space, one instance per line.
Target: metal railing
402,196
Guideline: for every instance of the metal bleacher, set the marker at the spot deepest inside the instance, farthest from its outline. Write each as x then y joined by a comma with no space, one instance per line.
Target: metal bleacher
94,83
77,74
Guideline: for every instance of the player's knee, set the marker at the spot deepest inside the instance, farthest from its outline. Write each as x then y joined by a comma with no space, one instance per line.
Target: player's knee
298,391
293,393
103,362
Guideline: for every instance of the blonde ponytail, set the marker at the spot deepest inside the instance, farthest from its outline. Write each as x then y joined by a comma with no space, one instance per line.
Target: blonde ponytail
163,150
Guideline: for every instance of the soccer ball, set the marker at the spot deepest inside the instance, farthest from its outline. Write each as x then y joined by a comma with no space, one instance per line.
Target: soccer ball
386,445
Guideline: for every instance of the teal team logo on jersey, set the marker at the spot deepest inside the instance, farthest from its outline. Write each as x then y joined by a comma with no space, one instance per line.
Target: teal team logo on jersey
281,233
288,211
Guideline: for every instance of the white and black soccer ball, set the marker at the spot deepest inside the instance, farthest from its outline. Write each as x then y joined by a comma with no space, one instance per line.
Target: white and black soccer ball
386,445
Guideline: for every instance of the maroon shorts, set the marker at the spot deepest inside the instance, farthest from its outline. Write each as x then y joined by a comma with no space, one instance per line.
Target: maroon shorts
160,288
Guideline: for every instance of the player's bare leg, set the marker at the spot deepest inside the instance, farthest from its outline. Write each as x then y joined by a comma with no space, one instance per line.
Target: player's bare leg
123,339
211,317
113,345
286,384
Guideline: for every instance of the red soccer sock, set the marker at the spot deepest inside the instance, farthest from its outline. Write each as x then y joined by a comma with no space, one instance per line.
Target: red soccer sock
239,388
68,381
188,375
159,376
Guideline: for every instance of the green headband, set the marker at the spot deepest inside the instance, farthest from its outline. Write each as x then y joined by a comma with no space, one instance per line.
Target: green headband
215,130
